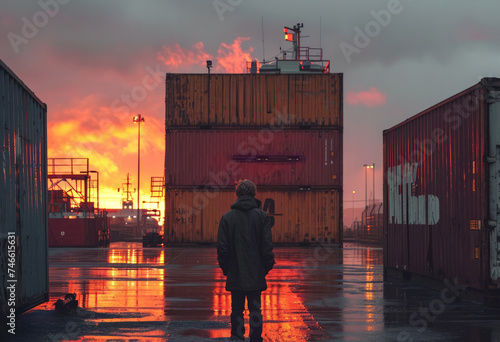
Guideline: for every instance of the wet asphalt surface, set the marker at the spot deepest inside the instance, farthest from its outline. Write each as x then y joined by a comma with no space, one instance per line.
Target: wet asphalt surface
127,293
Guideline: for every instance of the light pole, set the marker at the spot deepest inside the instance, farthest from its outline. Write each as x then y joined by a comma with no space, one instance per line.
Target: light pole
373,170
366,186
138,119
353,192
366,166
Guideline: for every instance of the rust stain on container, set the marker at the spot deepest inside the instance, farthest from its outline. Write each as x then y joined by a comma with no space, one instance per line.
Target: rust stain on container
281,158
297,216
441,187
247,100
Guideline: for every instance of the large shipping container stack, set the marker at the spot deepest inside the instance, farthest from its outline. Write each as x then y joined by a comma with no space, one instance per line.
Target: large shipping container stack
23,198
441,193
284,132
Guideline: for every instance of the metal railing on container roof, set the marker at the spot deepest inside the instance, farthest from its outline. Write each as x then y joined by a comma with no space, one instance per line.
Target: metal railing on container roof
67,166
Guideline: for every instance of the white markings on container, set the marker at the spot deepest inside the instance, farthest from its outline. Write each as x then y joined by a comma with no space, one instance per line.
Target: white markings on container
422,209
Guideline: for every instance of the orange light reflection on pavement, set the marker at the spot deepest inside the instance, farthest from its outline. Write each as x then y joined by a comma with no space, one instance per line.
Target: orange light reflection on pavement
284,314
369,297
135,293
360,310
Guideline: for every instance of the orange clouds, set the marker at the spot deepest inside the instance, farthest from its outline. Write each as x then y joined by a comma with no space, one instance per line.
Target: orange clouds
109,140
94,119
472,31
368,98
231,58
175,56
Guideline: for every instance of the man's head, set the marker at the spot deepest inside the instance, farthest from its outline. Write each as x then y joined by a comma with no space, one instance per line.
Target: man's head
246,188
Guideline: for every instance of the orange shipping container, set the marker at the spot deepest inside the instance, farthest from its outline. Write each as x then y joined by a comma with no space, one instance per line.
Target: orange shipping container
193,216
250,100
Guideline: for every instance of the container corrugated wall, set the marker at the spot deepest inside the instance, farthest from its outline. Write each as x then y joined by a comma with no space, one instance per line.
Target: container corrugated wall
436,190
23,191
284,132
253,100
82,232
298,216
279,158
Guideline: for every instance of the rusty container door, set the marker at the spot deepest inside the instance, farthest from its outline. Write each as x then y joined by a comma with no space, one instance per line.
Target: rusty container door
298,216
436,191
218,158
23,195
196,101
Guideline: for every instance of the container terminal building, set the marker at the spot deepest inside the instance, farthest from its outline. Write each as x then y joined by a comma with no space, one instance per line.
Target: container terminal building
279,125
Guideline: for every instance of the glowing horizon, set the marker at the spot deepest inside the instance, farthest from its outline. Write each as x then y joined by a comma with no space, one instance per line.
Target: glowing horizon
95,127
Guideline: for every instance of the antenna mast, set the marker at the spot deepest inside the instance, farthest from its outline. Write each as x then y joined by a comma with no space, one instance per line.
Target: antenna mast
320,32
126,188
294,38
263,46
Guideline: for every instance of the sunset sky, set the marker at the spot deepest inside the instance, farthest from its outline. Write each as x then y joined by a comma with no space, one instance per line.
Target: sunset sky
96,63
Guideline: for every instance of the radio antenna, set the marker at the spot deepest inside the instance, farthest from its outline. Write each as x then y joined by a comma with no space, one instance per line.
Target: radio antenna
320,31
263,46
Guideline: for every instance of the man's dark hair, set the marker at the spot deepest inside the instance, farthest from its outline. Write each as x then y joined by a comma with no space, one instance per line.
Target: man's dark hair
246,188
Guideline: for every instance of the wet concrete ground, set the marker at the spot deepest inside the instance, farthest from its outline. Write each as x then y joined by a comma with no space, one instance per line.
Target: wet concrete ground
127,293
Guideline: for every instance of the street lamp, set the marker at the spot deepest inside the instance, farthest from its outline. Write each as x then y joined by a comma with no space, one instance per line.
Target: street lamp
366,186
138,119
353,192
366,166
373,167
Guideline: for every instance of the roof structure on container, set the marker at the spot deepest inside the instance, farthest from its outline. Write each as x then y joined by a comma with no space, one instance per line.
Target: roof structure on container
488,82
13,75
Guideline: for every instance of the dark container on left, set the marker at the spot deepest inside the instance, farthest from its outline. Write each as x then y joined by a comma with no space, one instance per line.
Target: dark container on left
24,277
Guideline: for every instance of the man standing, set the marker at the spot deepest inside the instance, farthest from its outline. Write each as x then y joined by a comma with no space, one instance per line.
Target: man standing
245,255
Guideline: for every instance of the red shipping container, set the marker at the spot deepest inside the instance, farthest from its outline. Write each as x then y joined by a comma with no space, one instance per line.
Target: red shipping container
441,191
78,232
275,159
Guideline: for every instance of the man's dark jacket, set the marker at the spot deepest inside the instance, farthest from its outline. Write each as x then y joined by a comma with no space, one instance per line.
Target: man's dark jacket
244,246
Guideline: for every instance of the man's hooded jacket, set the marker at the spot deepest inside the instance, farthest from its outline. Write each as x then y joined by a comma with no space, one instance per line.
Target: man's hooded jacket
244,246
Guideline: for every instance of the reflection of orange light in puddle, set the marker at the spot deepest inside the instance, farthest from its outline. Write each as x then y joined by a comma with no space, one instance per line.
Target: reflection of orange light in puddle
142,336
361,309
111,290
369,284
370,320
369,296
283,311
